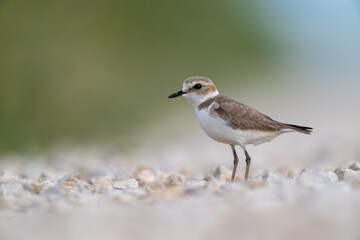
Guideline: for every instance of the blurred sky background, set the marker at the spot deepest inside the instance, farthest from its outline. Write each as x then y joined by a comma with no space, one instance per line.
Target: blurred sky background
100,71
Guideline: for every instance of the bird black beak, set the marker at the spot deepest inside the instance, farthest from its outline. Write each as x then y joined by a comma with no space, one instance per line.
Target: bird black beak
179,93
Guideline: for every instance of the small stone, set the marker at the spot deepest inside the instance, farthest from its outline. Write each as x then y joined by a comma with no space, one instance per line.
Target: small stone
44,175
70,177
223,174
291,174
104,184
68,182
270,177
195,184
38,185
84,185
344,174
156,186
175,180
306,171
328,176
35,185
127,184
355,166
98,179
27,187
69,185
145,177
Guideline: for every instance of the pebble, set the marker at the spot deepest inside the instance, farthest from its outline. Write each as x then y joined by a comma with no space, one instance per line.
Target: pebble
291,174
175,180
127,184
41,184
36,185
104,184
156,186
84,185
195,183
145,177
344,174
223,174
270,177
355,166
69,185
70,177
96,180
327,176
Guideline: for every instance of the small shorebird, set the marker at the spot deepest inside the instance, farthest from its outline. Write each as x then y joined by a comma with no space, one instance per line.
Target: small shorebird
228,121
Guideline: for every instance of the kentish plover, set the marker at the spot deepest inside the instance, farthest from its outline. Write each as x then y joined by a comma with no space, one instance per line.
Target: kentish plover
228,121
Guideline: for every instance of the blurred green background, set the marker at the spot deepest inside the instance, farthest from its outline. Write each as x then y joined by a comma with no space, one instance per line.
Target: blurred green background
90,71
93,70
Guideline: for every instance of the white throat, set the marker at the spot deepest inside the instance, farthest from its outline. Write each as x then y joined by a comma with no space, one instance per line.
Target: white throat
196,100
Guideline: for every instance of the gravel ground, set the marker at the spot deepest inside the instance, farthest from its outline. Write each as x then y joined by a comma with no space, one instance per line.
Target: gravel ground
64,197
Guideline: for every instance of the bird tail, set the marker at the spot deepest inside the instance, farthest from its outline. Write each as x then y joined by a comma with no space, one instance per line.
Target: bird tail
301,129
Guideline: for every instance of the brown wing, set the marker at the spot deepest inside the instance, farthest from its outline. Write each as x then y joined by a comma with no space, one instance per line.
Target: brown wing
241,116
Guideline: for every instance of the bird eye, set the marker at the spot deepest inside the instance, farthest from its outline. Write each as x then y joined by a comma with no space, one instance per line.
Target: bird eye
197,86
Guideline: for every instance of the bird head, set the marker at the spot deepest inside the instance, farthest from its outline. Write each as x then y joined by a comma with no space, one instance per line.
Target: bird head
197,90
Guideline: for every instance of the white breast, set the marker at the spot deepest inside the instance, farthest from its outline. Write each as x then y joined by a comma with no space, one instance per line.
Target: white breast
216,128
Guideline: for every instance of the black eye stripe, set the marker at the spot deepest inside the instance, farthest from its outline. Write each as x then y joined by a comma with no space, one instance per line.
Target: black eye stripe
197,86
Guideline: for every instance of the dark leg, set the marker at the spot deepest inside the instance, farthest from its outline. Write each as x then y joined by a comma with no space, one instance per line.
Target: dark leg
247,160
236,160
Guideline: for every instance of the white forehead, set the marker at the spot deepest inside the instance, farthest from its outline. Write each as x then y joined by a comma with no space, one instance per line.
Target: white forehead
191,81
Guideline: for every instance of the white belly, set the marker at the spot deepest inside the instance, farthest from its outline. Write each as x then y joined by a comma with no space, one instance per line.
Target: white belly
216,128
